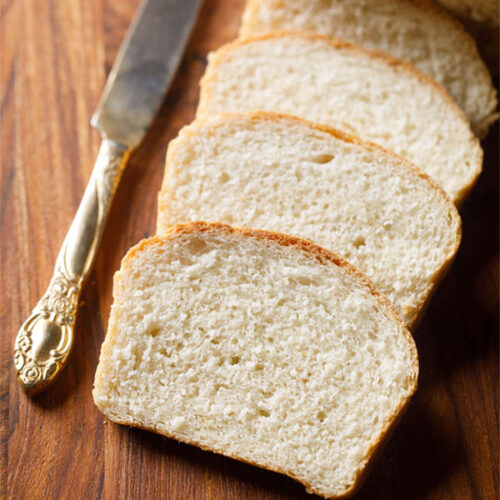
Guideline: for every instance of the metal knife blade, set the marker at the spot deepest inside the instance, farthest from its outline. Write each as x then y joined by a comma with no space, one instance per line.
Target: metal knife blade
144,67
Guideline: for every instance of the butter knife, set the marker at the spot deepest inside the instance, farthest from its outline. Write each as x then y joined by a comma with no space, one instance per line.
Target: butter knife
146,62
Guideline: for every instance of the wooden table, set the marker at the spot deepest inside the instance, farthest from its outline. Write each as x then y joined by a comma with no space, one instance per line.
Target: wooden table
55,56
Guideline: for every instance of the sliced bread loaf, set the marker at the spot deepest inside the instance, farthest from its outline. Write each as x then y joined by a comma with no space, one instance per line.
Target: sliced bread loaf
330,81
417,31
284,174
259,346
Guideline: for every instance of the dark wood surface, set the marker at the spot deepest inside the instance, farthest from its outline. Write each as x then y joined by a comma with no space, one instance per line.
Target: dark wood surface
55,56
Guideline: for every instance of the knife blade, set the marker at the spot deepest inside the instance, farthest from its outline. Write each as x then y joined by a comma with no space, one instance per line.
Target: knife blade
145,65
143,69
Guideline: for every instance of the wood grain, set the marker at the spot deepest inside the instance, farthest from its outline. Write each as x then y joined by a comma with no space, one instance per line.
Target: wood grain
55,56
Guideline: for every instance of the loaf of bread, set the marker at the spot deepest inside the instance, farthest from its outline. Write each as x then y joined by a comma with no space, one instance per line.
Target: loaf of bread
284,174
258,346
334,82
416,31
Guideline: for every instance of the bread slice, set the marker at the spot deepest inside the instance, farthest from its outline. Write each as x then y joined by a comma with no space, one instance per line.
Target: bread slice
259,346
333,82
281,173
417,31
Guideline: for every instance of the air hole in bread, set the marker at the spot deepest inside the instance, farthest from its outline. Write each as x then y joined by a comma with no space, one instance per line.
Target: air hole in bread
321,415
197,246
359,241
322,158
305,280
153,332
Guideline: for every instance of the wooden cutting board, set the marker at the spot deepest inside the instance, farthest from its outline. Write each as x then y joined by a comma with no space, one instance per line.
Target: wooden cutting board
55,56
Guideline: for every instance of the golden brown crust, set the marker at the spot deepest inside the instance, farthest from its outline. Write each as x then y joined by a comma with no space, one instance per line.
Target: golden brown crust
311,250
449,207
217,58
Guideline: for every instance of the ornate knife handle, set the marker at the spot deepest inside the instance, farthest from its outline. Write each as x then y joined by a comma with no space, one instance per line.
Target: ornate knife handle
44,341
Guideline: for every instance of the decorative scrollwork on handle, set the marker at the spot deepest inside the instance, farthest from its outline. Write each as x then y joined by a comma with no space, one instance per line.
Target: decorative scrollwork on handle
44,341
61,297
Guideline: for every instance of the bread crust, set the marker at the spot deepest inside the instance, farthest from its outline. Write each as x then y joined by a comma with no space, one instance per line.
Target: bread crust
262,116
311,250
442,16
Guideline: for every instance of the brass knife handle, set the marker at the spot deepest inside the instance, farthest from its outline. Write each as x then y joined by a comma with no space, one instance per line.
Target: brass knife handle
44,341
